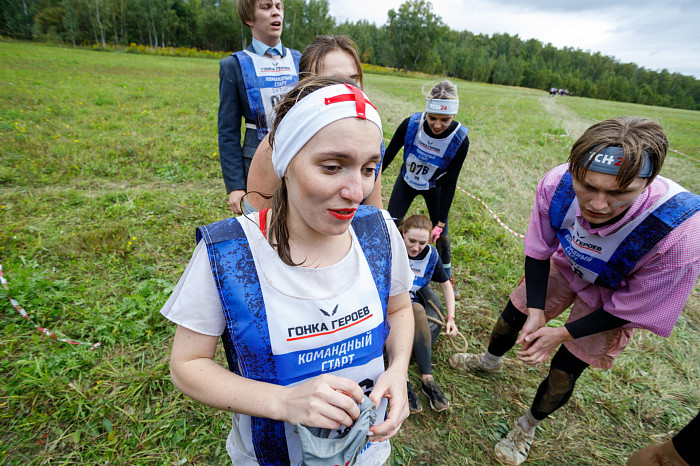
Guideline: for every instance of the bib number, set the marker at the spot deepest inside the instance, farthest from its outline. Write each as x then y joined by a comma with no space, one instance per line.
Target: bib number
271,96
418,172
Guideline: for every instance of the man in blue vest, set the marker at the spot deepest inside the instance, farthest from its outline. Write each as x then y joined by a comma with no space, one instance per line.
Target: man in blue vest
251,82
609,236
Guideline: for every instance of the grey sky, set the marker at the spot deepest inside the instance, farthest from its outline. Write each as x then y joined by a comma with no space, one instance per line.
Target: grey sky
654,34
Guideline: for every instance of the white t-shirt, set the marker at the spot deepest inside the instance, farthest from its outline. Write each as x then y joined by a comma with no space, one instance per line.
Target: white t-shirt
293,293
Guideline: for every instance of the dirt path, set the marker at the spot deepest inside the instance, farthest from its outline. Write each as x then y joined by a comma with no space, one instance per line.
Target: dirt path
573,123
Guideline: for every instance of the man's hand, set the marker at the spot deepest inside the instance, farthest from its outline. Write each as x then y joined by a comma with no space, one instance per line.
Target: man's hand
541,343
234,200
535,321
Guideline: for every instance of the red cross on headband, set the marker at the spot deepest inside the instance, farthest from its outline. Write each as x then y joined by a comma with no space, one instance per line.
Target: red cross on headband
357,96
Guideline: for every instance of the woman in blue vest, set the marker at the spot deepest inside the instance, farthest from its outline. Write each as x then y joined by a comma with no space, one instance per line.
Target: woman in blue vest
309,295
426,266
434,149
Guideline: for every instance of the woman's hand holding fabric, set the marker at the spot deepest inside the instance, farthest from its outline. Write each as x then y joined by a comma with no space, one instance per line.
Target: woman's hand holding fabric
327,401
392,385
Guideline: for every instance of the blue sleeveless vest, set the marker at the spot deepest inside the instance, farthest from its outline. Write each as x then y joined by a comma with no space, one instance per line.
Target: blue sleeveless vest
429,262
442,162
652,229
254,84
246,338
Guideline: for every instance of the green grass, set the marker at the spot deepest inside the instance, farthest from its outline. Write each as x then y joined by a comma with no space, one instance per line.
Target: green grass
109,162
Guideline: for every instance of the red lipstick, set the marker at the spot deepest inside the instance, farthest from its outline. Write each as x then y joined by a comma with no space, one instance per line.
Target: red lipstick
343,214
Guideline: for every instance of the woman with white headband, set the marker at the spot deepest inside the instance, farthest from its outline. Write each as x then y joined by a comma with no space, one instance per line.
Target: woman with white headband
434,149
324,56
306,294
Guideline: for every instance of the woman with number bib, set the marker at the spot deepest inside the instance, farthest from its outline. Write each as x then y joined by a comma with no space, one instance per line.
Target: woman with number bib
434,149
308,295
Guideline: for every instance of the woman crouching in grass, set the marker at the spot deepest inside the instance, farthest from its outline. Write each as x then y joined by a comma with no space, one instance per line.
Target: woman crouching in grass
426,266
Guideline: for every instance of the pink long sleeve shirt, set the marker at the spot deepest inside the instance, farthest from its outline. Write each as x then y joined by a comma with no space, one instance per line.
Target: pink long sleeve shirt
653,295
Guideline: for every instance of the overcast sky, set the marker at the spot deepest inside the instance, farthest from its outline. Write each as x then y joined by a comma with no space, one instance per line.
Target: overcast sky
655,34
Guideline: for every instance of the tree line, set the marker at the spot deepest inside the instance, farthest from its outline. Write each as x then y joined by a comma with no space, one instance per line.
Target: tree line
413,38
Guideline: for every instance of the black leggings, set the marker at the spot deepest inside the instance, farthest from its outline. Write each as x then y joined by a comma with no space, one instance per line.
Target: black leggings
401,198
426,332
565,369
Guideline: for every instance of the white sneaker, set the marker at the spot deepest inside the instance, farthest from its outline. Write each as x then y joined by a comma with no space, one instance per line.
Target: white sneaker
470,362
514,448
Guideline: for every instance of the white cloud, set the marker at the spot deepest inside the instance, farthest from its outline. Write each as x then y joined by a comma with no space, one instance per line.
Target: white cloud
651,33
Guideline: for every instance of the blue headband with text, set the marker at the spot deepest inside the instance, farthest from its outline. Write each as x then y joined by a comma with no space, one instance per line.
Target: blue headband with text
609,160
441,106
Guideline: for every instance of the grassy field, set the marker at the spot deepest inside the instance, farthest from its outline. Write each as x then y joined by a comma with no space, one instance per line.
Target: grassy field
109,162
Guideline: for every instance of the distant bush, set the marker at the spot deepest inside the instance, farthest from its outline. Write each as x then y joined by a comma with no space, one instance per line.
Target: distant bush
387,70
174,51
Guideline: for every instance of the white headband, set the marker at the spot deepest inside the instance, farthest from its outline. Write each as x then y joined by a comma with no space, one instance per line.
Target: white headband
441,106
312,113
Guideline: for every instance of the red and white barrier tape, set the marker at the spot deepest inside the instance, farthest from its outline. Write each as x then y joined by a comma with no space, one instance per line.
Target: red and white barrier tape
684,155
500,222
45,331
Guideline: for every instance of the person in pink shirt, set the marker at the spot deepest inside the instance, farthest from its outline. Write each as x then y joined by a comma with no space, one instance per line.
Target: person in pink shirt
610,236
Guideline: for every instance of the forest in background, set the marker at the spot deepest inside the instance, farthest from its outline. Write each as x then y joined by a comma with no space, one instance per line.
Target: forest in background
413,38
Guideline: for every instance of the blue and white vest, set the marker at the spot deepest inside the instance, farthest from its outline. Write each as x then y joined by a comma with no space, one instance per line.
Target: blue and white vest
606,261
287,340
267,81
423,270
425,158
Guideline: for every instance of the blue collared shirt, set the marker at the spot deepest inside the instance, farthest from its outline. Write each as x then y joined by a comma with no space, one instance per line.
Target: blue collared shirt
261,48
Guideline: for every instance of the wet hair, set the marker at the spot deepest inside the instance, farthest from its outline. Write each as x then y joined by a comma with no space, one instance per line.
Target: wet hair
634,135
311,63
444,90
278,236
246,10
420,222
